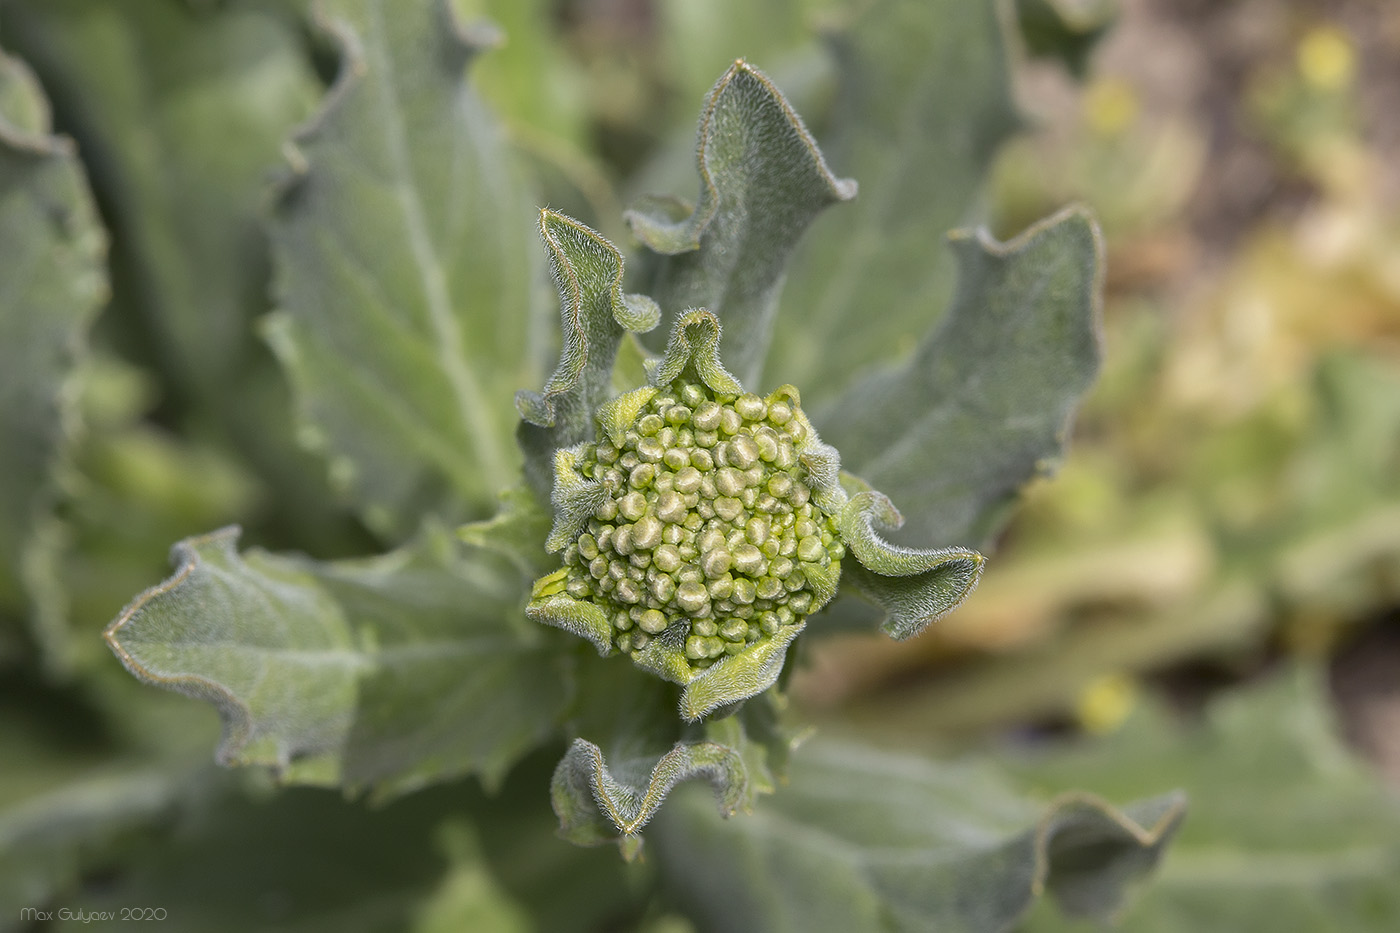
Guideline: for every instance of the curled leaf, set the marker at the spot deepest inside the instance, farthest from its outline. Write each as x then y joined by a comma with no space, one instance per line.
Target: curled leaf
587,271
573,497
914,587
732,679
597,801
694,344
552,606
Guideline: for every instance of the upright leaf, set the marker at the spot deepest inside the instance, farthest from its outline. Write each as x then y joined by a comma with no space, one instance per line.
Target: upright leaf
762,182
390,673
405,270
922,104
52,281
863,840
587,271
984,405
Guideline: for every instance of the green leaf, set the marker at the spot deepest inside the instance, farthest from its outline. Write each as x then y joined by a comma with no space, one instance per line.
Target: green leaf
587,270
300,861
405,271
864,840
180,111
50,841
516,532
630,753
180,115
922,104
52,282
1288,830
388,673
984,405
762,181
628,791
913,587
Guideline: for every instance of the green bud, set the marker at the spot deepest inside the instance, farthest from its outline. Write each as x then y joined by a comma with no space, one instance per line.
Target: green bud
700,516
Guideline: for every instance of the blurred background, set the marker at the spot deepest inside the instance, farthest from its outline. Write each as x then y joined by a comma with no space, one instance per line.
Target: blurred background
1232,495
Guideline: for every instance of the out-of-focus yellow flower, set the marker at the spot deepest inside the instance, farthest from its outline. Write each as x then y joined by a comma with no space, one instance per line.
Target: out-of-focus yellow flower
1106,702
1327,58
1110,106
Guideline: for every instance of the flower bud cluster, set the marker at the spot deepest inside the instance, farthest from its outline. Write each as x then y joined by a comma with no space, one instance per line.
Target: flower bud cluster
707,530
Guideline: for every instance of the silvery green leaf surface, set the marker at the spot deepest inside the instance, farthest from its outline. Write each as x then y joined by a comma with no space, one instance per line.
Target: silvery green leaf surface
52,282
386,673
1288,831
865,840
922,104
180,113
587,271
984,404
762,182
401,242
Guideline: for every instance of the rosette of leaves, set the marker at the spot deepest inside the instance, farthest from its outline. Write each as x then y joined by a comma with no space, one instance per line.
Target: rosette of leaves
660,496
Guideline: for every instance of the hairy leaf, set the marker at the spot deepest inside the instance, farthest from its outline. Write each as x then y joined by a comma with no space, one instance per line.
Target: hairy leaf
1288,830
390,673
52,281
913,587
921,106
985,403
405,270
587,270
864,840
630,752
762,181
598,800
